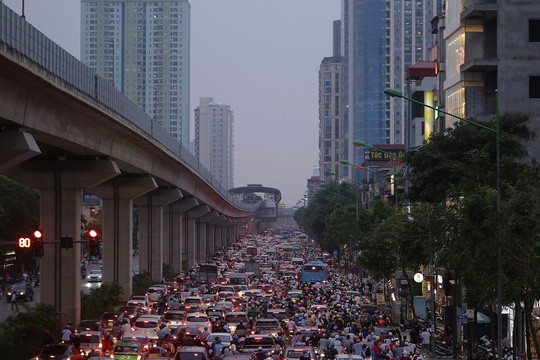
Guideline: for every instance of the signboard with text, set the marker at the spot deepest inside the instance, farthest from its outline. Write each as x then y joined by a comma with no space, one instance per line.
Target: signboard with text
374,154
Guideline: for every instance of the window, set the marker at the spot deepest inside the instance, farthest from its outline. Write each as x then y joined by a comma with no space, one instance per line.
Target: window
534,30
534,87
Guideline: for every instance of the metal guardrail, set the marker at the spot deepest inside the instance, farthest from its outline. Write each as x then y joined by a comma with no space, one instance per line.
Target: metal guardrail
22,38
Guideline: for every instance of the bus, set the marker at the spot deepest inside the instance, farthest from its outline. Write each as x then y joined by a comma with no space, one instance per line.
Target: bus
314,271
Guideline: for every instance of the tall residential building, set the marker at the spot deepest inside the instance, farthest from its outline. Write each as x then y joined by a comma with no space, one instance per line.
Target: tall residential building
493,48
214,139
144,48
330,119
380,40
411,40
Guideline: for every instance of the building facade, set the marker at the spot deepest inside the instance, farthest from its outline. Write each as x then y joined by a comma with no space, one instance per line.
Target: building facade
143,47
214,139
411,40
493,49
380,40
330,111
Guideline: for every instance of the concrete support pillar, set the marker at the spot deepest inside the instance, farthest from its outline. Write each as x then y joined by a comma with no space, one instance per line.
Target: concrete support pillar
117,231
217,237
211,240
172,231
151,229
182,206
204,232
60,183
193,234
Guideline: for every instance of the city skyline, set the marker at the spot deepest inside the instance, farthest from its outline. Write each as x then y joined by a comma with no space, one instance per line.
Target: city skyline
260,58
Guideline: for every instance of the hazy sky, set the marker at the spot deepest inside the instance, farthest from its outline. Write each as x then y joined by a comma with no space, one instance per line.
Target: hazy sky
262,58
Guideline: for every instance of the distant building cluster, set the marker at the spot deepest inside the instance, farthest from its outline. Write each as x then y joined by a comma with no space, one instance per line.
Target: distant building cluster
143,47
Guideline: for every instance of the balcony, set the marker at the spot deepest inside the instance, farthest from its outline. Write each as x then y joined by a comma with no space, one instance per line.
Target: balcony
479,9
479,65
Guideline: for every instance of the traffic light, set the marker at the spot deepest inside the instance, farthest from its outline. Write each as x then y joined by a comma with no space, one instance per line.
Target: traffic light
37,237
93,245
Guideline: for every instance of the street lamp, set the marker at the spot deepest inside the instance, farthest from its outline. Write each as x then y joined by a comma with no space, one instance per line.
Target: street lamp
497,130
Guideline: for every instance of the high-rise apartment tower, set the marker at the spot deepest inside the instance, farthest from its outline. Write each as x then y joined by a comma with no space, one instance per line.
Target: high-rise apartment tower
214,139
330,119
143,47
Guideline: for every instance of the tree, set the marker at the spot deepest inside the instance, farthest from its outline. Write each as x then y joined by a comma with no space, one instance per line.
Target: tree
20,335
456,171
19,216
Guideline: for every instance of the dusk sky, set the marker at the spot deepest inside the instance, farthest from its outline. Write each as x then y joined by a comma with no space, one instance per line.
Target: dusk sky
260,57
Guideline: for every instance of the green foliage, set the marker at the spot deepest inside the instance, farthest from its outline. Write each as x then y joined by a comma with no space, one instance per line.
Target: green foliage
168,272
456,172
19,209
463,158
100,300
20,335
312,218
141,282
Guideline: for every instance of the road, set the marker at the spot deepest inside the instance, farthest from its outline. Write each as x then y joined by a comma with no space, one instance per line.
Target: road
5,307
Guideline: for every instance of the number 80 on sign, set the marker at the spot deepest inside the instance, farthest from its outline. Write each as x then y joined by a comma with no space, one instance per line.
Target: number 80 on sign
24,243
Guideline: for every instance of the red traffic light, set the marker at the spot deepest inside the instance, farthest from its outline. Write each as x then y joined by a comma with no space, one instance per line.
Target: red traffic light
37,236
93,234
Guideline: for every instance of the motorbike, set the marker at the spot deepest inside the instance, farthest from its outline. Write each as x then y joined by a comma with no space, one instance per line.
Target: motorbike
406,324
443,349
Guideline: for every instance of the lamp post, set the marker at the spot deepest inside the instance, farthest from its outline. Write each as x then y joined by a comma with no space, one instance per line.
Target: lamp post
497,131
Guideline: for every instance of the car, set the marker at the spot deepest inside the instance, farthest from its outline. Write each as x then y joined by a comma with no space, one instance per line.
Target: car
253,342
174,318
194,302
149,322
215,313
348,357
280,314
267,326
127,350
225,305
232,319
131,312
90,325
238,302
89,340
296,352
110,317
196,322
56,351
226,338
23,291
94,276
140,335
192,353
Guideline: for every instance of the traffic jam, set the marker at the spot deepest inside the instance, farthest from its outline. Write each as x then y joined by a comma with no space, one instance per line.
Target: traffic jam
265,297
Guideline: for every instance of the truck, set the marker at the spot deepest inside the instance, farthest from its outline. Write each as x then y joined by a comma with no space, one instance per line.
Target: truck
208,273
254,267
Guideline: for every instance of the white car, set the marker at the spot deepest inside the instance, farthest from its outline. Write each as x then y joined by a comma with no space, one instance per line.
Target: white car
196,322
94,275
